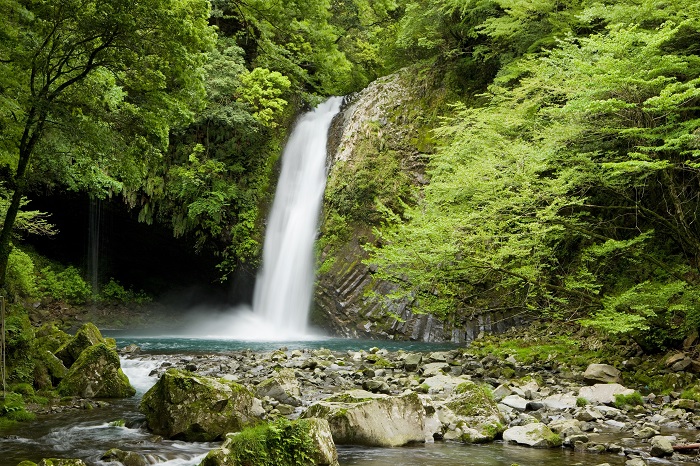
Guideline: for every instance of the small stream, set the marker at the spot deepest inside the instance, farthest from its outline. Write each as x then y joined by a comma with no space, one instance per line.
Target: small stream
88,433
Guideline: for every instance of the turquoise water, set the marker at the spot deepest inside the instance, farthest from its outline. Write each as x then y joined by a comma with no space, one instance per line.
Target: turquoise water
177,344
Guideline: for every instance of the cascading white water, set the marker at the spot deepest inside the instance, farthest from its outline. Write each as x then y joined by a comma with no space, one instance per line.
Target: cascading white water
284,288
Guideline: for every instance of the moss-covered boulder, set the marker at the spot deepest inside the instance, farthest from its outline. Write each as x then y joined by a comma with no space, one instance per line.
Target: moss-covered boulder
96,373
48,369
471,415
283,386
535,435
88,335
54,462
187,407
51,338
127,458
358,417
306,442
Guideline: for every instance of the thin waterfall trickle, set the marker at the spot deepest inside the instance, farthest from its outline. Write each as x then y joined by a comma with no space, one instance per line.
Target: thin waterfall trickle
284,288
93,256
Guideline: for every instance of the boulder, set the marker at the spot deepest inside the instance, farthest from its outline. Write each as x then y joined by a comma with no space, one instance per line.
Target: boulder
96,373
376,386
88,335
560,401
602,393
358,417
187,407
443,383
601,373
515,402
127,458
412,361
434,368
535,435
54,462
501,392
661,446
284,443
474,414
283,386
566,427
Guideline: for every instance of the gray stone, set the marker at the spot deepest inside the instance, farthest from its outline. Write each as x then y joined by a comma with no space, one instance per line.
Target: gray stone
560,402
358,417
127,458
443,383
412,361
376,386
187,407
682,365
535,435
646,433
501,392
674,358
283,386
603,393
515,401
474,413
604,373
589,413
661,446
434,368
566,427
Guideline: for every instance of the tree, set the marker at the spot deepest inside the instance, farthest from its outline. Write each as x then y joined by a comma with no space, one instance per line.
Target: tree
90,90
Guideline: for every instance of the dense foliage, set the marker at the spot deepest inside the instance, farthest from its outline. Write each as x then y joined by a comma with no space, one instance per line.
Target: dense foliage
573,190
565,183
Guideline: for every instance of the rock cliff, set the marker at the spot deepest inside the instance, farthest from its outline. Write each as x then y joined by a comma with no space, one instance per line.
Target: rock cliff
379,146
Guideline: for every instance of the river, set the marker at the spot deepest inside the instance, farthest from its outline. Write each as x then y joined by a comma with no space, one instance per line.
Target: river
88,433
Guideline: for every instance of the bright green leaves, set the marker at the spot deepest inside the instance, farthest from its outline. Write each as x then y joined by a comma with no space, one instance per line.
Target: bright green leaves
573,190
261,89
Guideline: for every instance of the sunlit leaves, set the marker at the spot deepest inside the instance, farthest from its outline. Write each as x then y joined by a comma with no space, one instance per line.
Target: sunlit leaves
262,90
575,187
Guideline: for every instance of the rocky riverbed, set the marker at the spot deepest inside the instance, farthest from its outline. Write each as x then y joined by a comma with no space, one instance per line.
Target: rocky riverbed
391,398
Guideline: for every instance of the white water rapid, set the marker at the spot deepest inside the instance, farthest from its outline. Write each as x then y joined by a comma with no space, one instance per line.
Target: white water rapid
284,288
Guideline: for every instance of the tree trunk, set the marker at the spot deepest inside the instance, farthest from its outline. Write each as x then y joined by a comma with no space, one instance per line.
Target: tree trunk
6,234
29,140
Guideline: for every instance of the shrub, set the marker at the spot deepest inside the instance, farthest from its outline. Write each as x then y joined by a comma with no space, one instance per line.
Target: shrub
66,285
113,292
633,399
21,281
12,408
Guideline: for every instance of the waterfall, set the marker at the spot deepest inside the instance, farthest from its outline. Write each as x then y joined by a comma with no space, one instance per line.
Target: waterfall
284,288
93,259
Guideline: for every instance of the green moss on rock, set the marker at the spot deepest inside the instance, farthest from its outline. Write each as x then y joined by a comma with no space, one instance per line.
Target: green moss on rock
304,442
88,335
96,374
187,407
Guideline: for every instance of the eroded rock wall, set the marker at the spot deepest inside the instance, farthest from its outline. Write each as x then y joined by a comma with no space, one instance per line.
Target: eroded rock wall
378,148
